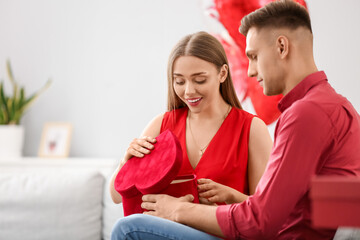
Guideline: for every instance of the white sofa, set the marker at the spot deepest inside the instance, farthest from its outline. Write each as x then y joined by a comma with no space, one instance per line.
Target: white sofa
56,199
43,199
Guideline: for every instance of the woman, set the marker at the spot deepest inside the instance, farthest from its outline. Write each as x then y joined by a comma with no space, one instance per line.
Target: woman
226,147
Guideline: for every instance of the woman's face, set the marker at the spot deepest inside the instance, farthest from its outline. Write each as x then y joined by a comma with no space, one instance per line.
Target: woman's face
197,82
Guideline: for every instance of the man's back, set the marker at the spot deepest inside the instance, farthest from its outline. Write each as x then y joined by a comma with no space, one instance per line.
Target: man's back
330,127
341,154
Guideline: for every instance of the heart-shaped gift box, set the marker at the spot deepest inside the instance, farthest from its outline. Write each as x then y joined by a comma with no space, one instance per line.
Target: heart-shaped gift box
155,173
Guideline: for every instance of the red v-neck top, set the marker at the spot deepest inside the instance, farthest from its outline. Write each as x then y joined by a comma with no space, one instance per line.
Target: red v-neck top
226,157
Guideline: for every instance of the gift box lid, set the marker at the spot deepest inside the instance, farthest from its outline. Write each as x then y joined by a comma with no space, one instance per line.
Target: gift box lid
335,187
153,172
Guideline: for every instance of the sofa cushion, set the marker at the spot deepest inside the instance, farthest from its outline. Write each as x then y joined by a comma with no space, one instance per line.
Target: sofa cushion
36,205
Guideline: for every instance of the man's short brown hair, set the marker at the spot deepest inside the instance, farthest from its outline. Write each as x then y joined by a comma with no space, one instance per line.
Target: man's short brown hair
283,13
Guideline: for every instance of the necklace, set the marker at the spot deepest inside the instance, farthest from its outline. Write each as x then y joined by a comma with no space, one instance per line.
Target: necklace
202,150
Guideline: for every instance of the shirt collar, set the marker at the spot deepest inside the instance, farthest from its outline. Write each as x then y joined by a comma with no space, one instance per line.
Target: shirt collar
300,90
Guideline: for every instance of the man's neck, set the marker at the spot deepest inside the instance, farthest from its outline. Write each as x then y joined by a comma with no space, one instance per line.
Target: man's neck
299,73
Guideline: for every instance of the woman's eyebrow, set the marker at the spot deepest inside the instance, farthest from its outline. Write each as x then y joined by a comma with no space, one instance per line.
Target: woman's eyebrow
192,75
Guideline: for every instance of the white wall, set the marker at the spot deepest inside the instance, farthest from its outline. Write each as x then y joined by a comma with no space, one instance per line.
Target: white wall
336,27
107,59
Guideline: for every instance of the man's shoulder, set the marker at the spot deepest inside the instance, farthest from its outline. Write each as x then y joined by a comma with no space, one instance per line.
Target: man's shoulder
331,111
320,101
306,109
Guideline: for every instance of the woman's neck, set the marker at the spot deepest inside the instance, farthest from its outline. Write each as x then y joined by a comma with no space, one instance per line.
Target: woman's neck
213,111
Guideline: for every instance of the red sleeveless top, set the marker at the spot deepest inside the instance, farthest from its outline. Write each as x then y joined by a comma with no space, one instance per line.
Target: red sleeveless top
225,159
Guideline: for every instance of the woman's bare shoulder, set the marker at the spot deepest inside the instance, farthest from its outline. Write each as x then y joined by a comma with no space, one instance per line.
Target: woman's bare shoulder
153,127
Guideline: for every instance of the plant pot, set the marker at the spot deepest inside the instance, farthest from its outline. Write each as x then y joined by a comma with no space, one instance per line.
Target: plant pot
11,141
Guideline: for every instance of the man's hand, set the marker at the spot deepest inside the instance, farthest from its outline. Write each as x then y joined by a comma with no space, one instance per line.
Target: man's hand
164,206
181,210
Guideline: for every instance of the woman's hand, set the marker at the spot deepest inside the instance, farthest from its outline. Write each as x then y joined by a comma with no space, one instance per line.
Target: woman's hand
205,201
211,192
139,147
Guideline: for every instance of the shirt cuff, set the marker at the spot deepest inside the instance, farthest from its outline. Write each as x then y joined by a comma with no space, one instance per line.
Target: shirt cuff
223,216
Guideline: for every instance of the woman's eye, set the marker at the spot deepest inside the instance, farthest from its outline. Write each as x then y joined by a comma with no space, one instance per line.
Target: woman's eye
179,82
200,81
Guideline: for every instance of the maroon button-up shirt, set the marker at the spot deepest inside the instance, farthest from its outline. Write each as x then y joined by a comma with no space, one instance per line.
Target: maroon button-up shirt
318,133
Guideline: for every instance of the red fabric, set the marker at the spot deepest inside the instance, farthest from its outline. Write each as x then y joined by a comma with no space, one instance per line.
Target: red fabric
318,133
153,174
225,159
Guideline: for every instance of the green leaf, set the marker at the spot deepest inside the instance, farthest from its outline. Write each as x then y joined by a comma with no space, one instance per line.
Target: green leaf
33,97
12,108
17,116
1,90
21,99
10,103
2,115
4,105
9,71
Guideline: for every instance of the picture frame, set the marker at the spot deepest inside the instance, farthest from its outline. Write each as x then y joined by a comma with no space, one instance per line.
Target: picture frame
55,140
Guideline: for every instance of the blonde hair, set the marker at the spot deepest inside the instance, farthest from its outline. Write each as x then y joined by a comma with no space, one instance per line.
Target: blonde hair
206,47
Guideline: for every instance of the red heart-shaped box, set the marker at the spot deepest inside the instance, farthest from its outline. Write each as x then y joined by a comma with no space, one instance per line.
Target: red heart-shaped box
155,173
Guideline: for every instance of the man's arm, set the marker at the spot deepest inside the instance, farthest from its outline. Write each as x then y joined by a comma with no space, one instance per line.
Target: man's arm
181,210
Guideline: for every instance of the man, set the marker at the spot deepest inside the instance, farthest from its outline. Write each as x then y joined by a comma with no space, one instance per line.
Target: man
318,133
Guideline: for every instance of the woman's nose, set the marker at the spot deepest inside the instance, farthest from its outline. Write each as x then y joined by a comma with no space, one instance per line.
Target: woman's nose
189,89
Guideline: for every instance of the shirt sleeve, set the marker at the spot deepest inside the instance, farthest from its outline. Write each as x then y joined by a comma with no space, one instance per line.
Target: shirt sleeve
302,136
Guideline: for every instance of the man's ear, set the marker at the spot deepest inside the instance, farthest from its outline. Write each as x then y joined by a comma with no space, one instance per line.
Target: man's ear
282,45
223,73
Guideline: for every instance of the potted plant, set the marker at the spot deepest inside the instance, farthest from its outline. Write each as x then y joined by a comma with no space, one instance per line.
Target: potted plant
12,108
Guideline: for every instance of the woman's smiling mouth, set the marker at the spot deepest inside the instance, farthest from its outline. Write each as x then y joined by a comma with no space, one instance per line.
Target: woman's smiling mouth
194,101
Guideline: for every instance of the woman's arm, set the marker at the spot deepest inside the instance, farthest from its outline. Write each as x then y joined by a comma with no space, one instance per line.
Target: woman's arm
138,147
260,145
